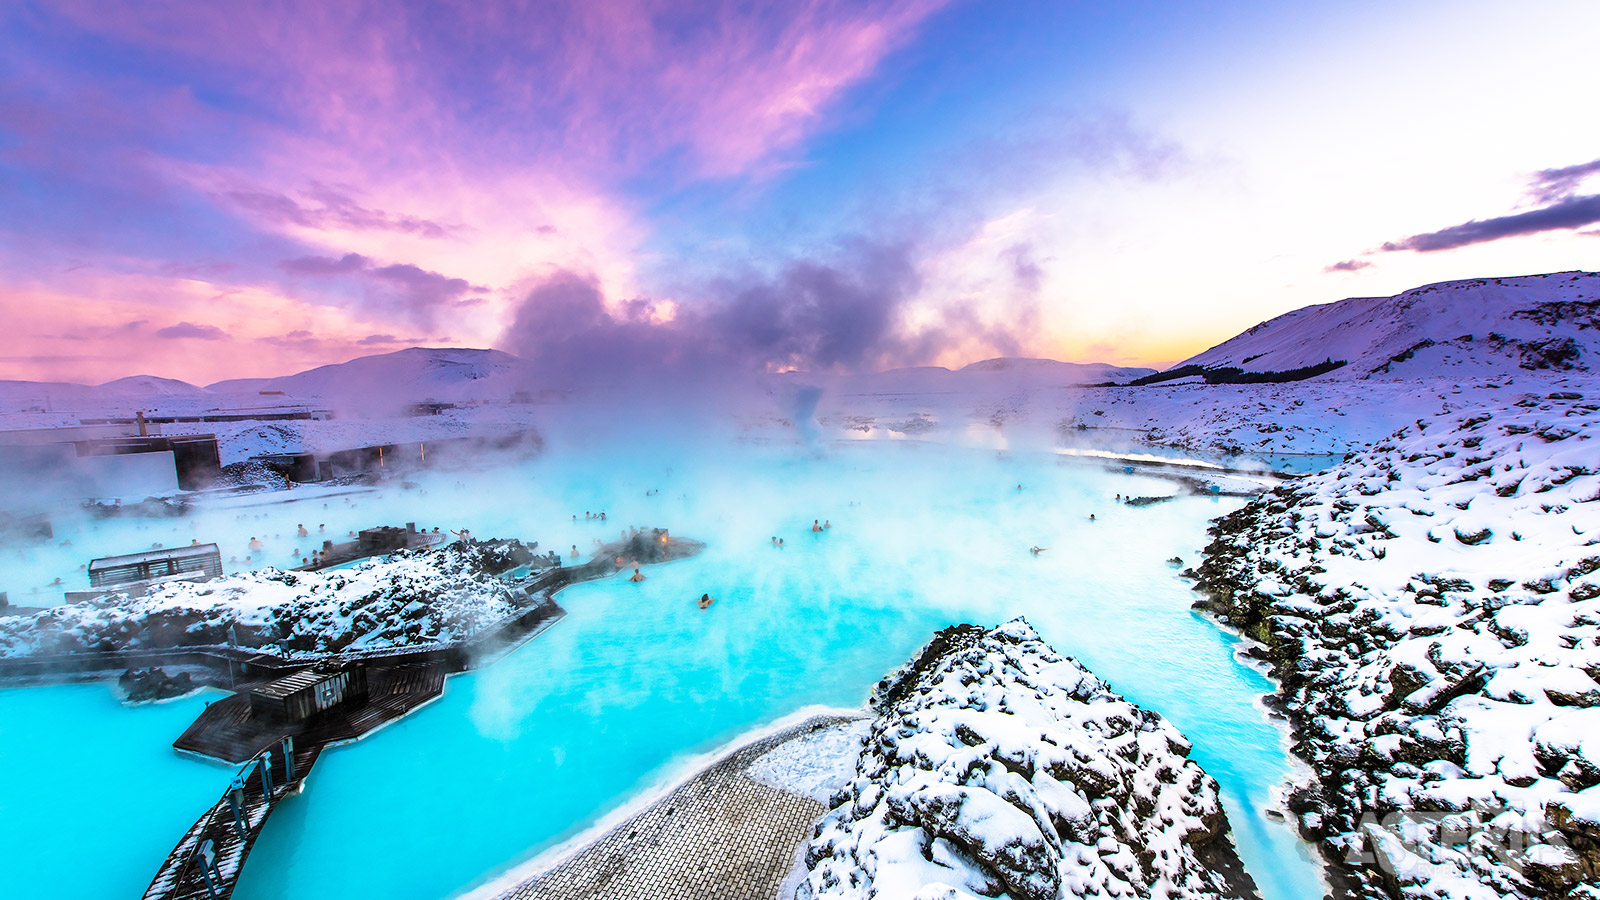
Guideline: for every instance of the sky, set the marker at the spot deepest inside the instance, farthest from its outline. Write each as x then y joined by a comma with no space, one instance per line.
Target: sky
205,191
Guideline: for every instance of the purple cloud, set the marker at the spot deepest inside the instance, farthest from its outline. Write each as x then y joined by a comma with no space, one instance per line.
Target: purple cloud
407,289
1571,212
326,265
101,332
333,210
843,314
1549,185
1348,265
191,330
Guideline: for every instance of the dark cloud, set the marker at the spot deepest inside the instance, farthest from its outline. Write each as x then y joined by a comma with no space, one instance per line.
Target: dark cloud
331,208
815,315
1025,270
297,338
1571,212
414,292
50,358
100,332
326,265
379,339
1550,185
191,330
838,315
1348,265
420,288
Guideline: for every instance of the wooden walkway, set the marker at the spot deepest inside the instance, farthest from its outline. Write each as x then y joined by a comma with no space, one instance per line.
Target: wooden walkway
184,875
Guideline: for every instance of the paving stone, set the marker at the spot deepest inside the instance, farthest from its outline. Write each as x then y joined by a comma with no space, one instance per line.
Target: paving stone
718,836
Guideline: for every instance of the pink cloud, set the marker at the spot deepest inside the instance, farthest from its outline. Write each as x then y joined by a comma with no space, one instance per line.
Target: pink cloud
97,327
485,146
191,330
618,83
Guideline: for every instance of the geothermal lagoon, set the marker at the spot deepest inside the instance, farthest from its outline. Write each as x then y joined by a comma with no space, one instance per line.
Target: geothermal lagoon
637,682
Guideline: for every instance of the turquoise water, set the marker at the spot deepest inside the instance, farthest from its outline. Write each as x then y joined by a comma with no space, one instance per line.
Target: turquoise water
93,797
516,757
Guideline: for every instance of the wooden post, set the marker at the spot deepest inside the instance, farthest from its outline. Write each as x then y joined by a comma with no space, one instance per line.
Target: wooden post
288,758
235,800
266,774
208,864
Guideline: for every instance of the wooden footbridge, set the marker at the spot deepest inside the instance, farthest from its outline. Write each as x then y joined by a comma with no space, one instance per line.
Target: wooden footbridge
206,864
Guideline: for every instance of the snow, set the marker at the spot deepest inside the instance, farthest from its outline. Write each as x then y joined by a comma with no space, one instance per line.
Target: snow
1482,327
815,765
995,765
409,599
1434,610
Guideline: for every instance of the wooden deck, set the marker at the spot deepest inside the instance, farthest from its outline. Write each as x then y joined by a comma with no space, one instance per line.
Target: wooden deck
228,731
183,877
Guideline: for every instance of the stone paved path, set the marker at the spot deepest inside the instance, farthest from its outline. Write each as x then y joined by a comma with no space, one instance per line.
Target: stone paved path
719,836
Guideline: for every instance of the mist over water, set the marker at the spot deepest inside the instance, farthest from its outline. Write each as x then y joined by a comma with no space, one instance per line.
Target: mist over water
531,750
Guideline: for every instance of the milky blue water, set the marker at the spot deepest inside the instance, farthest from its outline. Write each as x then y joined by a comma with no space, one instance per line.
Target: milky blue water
516,757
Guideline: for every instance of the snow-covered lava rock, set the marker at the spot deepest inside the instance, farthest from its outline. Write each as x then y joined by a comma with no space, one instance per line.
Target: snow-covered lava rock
996,767
1432,610
411,598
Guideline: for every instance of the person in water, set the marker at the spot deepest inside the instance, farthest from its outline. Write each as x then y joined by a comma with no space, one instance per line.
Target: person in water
774,540
1037,550
300,531
815,526
637,575
1091,517
705,601
256,545
826,524
574,551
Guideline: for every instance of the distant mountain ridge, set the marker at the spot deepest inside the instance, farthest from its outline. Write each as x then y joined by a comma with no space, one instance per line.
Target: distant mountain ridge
416,373
1483,327
1031,367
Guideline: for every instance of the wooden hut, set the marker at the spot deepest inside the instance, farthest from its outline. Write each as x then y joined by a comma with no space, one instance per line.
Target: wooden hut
297,697
204,560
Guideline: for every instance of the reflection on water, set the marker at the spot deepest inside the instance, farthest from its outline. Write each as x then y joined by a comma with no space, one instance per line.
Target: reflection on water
517,756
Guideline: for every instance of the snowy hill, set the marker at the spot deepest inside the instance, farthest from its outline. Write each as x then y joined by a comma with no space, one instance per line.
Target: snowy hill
1480,327
1063,372
417,373
152,386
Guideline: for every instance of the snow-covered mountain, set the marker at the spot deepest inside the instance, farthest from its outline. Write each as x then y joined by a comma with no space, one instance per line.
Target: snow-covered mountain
1478,327
991,373
1064,372
151,386
417,373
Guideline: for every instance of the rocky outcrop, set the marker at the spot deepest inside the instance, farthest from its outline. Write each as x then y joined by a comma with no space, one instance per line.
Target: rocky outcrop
143,685
408,599
997,767
1430,610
